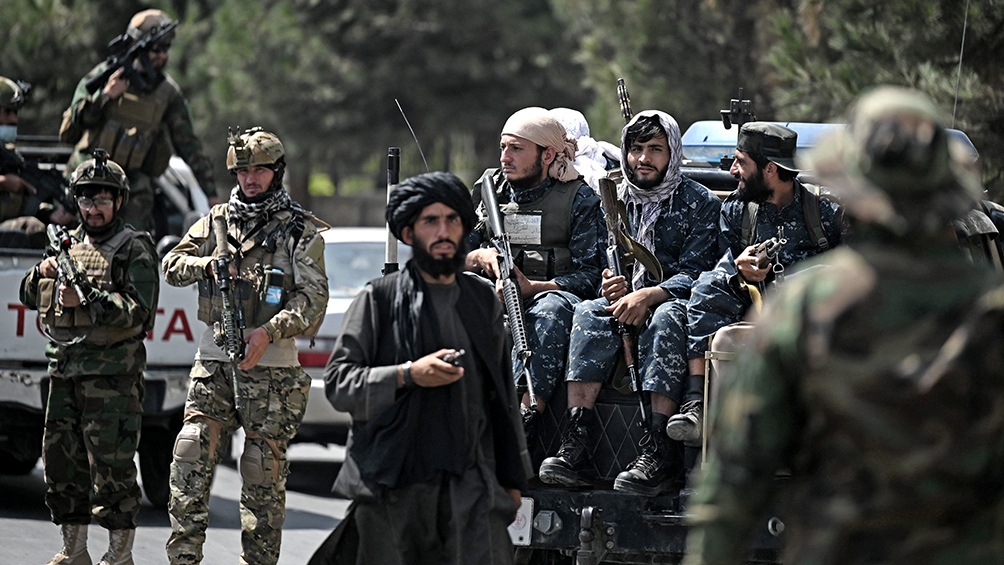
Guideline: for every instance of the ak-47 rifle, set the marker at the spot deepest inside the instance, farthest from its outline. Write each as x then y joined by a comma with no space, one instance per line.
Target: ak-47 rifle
615,254
510,285
229,332
766,256
67,273
390,264
123,52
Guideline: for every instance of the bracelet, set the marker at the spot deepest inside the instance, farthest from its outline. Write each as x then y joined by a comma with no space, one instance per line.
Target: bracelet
406,375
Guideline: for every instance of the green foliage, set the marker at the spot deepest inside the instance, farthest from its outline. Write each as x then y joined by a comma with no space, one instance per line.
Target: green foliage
325,74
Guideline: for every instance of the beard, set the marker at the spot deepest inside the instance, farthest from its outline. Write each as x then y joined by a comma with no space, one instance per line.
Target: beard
754,189
439,267
647,184
532,178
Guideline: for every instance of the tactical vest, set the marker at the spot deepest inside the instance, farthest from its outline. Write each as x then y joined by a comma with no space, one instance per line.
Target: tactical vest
65,325
539,231
133,134
265,278
810,212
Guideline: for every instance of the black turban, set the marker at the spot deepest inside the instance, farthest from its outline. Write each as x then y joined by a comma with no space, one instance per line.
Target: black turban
412,195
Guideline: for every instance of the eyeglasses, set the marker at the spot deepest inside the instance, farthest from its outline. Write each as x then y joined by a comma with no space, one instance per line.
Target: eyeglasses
86,203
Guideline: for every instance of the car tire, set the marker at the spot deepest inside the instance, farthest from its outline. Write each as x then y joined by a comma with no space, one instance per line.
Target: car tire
11,465
156,449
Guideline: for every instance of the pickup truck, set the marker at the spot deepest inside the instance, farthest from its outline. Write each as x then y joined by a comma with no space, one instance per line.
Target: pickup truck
557,525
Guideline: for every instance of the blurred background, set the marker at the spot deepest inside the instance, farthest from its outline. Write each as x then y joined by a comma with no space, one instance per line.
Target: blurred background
324,74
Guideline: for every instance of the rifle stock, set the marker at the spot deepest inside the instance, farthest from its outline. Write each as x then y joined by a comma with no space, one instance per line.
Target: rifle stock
629,339
510,286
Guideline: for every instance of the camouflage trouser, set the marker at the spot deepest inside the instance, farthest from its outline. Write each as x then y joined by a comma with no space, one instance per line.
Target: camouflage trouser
274,399
595,347
548,325
92,427
715,302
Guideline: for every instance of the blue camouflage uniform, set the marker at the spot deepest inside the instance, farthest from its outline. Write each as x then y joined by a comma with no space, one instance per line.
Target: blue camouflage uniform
716,299
548,315
686,236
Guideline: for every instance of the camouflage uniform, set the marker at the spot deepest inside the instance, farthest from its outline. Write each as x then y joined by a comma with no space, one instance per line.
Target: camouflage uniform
86,117
274,392
685,244
95,406
715,300
548,315
878,382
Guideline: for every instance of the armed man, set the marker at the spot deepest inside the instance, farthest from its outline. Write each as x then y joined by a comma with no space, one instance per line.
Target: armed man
138,113
96,317
877,383
676,219
552,219
29,198
259,262
770,203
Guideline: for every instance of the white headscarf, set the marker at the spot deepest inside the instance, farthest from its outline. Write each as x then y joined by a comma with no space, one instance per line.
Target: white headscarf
591,156
539,126
652,200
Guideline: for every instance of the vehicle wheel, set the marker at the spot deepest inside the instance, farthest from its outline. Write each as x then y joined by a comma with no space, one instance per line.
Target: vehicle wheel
156,449
11,465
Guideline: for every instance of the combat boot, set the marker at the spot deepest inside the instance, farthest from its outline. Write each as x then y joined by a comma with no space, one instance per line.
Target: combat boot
657,467
119,547
686,425
74,550
571,467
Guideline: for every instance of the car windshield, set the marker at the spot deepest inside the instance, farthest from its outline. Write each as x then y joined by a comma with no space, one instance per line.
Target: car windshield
351,264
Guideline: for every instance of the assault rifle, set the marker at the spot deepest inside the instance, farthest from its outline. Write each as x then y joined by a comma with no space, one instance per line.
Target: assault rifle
67,273
390,264
510,285
615,254
766,256
123,52
229,332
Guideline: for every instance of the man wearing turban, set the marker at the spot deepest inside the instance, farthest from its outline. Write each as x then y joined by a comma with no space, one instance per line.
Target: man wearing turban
556,232
436,458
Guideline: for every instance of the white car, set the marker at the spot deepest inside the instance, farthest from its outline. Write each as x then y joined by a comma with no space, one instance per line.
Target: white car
352,257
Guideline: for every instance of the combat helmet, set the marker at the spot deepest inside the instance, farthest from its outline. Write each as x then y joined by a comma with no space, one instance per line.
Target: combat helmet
100,171
895,165
147,21
254,148
11,94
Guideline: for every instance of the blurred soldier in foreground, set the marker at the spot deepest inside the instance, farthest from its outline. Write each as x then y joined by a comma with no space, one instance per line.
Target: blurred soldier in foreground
878,382
268,275
436,457
96,359
140,116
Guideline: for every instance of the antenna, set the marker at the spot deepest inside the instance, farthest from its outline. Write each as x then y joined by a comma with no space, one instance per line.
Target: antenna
415,137
958,74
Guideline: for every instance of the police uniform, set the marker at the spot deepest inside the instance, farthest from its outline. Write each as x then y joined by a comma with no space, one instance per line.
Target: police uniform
556,234
281,287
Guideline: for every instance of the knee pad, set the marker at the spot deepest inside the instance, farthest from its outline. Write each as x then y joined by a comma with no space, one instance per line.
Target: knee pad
188,445
256,469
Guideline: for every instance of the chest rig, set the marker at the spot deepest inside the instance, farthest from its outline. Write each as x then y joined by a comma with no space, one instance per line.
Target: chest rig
78,324
263,256
132,133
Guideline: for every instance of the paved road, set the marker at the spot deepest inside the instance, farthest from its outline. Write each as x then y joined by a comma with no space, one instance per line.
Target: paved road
28,537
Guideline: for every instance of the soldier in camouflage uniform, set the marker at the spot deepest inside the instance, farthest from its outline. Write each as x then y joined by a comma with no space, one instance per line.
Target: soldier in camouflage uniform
878,382
770,202
96,361
676,218
277,262
141,125
556,231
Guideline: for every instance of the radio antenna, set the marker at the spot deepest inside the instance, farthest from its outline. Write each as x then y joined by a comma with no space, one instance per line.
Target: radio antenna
958,75
415,137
